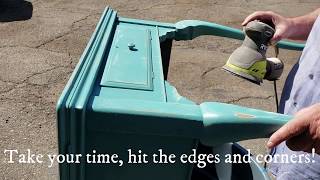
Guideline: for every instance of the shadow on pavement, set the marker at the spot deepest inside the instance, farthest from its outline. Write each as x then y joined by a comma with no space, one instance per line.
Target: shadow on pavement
15,10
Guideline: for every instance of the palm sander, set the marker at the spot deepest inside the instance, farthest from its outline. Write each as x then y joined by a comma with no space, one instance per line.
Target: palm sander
249,60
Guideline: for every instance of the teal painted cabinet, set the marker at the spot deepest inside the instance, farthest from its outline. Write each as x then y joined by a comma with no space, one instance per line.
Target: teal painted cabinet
118,99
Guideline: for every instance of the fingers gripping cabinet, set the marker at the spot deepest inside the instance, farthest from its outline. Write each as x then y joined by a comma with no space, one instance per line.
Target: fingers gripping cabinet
118,99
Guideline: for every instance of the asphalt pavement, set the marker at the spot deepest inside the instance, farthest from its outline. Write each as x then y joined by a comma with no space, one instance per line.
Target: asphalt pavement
41,42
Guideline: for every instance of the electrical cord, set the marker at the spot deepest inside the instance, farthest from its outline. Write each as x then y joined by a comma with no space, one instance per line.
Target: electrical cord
276,50
276,94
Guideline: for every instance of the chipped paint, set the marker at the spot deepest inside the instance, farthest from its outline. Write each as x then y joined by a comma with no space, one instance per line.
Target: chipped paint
244,116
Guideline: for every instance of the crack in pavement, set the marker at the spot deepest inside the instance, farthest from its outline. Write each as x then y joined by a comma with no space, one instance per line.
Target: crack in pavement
248,97
25,46
147,8
26,81
160,5
42,5
204,47
209,70
84,18
71,30
56,37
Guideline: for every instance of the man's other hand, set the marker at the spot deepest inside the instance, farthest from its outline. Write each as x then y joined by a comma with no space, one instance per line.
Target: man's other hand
302,133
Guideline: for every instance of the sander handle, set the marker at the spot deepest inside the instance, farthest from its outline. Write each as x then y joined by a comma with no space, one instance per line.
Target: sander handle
190,29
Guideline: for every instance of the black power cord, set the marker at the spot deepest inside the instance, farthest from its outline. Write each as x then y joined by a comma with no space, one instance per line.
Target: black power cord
276,95
277,106
276,50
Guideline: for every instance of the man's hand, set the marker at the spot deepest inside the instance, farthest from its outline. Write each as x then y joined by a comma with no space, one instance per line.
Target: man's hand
302,133
297,28
282,25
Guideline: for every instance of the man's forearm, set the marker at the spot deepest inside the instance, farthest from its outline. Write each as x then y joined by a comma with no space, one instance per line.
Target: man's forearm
302,25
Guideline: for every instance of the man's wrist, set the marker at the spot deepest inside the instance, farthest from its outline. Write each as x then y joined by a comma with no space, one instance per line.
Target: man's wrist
299,27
